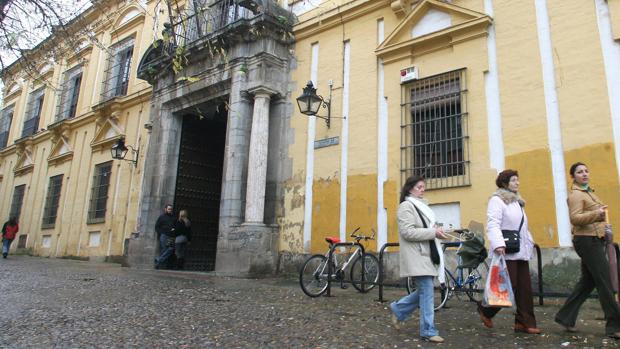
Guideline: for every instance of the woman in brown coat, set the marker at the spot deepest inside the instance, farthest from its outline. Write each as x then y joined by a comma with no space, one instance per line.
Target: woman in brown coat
587,215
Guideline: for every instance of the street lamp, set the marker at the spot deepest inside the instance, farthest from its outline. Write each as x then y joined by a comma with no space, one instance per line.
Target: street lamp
119,151
309,103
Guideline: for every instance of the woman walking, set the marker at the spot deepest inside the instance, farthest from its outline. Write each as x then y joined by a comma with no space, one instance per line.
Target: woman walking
183,229
420,256
587,215
505,212
9,231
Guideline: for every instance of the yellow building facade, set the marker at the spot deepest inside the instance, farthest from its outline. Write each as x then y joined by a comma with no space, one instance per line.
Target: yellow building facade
56,170
455,91
452,90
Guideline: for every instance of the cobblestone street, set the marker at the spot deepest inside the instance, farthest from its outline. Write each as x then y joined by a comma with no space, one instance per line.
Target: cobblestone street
49,303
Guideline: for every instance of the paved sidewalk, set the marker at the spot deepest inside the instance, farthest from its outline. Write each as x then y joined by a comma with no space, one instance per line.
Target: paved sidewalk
53,303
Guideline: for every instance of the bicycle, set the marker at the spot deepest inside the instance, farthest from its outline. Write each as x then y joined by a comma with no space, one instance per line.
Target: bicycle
314,272
463,279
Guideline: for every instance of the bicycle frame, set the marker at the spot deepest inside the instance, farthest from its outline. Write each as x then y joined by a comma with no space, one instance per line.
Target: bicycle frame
330,259
351,258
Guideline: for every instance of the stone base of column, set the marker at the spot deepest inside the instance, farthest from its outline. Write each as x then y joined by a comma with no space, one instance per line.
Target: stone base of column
248,250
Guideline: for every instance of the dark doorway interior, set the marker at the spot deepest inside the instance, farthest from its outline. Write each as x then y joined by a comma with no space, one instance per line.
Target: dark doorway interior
199,181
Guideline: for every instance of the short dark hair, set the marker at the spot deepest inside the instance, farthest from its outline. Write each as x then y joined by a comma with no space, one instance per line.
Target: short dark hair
573,168
503,178
409,183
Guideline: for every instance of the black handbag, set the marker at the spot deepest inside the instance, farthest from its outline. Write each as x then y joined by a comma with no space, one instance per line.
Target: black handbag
431,243
512,238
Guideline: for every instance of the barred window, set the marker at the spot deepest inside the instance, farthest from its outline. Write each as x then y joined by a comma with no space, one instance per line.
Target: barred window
99,193
16,203
5,125
33,112
434,139
69,93
51,202
118,68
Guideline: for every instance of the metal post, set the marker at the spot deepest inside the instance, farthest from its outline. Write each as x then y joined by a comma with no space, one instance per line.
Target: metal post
381,269
540,275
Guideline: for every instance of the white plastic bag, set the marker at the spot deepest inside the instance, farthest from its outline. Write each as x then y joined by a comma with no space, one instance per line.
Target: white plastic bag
498,289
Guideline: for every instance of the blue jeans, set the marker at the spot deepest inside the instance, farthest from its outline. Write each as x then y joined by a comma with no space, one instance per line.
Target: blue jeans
422,298
165,251
6,245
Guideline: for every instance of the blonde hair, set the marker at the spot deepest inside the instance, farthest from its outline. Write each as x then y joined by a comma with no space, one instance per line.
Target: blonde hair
183,217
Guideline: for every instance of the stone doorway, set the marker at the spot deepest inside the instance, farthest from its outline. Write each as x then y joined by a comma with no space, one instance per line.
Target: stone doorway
199,181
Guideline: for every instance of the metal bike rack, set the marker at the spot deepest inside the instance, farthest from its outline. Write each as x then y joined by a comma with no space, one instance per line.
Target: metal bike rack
330,258
456,244
540,274
381,276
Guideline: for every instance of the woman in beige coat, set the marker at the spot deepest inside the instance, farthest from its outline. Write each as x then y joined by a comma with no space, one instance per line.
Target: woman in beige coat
418,236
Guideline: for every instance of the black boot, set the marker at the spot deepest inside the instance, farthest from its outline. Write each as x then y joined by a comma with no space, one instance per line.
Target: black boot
180,263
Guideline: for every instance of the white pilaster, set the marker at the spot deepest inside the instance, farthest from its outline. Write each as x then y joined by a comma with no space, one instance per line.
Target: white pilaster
491,89
554,126
382,143
611,58
257,162
344,144
314,69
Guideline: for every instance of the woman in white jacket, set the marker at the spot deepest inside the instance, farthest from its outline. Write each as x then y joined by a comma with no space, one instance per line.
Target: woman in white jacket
505,212
417,236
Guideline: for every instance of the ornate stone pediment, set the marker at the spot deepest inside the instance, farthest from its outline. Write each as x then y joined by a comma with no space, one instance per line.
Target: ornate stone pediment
433,25
25,162
61,151
109,130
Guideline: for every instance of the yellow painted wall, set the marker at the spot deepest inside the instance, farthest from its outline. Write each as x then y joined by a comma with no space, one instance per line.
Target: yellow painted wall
70,235
586,127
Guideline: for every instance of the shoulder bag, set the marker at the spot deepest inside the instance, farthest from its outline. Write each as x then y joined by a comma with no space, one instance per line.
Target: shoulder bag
512,238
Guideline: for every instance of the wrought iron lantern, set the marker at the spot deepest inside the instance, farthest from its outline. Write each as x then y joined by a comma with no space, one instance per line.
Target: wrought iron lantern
119,151
309,103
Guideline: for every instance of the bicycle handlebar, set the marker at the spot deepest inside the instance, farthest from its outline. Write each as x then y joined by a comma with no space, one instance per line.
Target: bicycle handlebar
362,237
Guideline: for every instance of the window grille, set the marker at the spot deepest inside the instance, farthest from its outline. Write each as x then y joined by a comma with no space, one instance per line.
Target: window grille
434,136
33,112
51,202
5,125
99,193
68,94
118,69
16,203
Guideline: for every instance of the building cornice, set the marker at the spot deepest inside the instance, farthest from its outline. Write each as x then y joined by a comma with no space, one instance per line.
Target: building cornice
331,18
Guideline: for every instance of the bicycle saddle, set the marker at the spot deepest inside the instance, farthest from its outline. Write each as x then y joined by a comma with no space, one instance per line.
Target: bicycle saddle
332,240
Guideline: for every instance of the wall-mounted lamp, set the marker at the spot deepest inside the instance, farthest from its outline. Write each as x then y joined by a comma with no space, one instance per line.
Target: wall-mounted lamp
119,151
309,103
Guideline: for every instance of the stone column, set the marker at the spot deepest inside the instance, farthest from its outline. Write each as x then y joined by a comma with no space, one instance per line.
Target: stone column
257,163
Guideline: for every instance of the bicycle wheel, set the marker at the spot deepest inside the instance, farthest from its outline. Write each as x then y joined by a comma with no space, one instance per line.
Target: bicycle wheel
313,275
476,281
441,293
371,272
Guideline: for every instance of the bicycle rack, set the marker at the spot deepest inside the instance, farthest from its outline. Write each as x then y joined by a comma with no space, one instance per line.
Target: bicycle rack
381,276
540,275
330,258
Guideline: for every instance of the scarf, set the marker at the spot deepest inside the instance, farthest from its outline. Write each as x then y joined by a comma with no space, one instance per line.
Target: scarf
430,215
508,197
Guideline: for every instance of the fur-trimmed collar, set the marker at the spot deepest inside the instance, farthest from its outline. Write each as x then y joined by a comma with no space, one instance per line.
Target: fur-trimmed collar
509,197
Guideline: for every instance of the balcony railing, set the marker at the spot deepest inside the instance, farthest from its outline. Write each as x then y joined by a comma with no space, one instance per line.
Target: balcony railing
208,20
